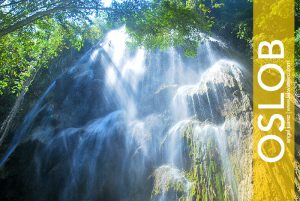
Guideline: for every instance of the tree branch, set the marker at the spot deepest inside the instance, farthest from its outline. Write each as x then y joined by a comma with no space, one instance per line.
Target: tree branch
28,20
41,14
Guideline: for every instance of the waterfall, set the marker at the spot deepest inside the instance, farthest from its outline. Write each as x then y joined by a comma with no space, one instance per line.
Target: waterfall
134,125
26,124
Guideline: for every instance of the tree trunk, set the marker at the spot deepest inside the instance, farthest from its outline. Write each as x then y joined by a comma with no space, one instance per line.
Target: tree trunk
6,125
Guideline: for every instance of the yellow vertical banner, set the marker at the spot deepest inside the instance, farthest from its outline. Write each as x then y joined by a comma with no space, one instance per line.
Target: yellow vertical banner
273,100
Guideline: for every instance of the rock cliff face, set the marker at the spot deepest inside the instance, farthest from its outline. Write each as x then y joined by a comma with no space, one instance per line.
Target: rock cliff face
132,126
216,141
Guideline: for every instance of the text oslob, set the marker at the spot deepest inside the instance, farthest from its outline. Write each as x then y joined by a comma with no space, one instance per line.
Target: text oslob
271,89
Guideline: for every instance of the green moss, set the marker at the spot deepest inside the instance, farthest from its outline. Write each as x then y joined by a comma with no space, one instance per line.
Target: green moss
168,179
206,172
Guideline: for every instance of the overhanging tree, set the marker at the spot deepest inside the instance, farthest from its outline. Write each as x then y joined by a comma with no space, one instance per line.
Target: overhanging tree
32,33
166,23
15,14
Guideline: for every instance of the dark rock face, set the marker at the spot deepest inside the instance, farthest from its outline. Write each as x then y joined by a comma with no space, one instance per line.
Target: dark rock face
91,163
78,97
14,182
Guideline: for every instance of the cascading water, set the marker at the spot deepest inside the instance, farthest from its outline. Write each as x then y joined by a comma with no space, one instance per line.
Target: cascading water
138,125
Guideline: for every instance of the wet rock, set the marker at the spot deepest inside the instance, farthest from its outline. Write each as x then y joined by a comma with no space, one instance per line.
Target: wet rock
221,93
169,183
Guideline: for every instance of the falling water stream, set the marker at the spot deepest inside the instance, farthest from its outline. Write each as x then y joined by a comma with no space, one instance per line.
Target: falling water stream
137,125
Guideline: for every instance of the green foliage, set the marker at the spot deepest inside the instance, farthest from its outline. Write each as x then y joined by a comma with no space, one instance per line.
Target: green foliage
167,23
297,52
24,52
244,32
27,45
172,23
17,14
233,22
